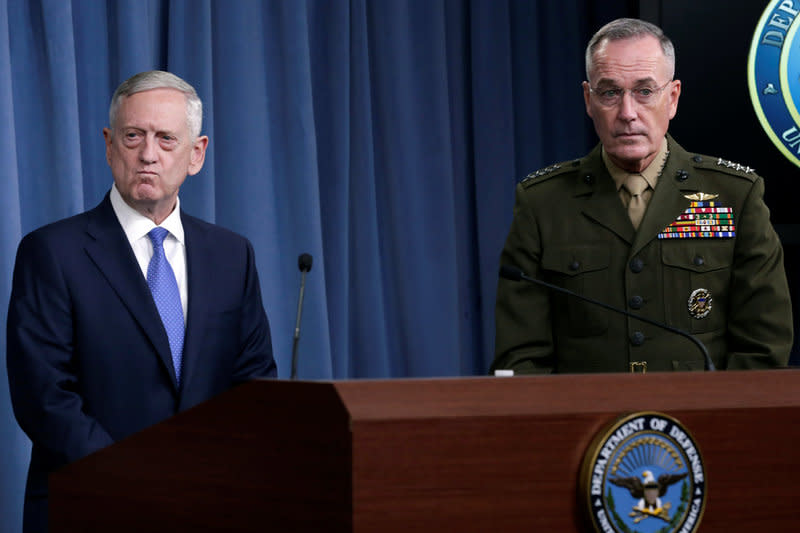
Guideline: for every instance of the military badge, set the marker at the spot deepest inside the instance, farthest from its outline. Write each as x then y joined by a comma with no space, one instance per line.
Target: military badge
699,303
700,196
703,219
644,474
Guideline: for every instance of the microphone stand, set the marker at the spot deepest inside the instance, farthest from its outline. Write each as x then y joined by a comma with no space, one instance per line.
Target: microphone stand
304,264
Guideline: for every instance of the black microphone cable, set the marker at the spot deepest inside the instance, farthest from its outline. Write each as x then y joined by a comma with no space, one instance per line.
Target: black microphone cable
513,273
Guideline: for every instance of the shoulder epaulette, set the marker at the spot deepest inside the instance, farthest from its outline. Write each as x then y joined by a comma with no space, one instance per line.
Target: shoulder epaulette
546,173
723,165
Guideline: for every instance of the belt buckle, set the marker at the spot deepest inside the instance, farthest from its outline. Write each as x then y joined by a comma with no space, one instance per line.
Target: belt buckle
638,367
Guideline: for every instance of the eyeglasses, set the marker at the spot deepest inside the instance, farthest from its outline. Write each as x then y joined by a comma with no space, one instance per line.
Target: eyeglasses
612,96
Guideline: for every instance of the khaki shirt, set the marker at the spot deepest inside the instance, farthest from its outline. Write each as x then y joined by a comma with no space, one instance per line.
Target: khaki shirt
650,174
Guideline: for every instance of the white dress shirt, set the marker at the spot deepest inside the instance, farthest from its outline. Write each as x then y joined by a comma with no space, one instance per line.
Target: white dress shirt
137,226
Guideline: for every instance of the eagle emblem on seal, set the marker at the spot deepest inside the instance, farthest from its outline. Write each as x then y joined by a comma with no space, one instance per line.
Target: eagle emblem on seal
649,493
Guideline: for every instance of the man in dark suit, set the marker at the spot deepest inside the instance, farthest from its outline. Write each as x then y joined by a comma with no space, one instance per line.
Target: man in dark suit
643,225
115,324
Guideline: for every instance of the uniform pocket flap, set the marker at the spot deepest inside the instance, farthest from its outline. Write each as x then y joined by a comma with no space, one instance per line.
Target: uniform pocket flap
574,260
698,258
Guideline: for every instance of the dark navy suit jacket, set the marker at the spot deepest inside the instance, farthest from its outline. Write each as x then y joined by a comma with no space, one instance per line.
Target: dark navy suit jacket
88,357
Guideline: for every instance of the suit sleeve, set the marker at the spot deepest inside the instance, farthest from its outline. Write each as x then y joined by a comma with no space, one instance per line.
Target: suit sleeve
255,359
523,334
760,313
42,381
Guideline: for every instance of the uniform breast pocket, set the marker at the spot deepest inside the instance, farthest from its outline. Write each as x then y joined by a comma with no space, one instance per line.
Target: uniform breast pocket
583,269
697,274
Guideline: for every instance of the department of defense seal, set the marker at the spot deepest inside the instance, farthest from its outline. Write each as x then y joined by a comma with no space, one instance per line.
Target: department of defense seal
644,474
773,71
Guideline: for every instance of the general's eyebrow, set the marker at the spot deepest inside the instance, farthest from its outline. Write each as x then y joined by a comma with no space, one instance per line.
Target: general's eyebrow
646,81
608,82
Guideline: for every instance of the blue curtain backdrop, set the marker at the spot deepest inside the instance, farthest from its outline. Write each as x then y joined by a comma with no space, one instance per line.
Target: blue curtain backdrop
384,137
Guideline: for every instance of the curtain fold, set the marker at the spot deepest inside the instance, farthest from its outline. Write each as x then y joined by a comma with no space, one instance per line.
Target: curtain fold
382,137
15,446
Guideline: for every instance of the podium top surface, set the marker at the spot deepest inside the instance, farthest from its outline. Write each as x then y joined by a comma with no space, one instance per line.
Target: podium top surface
552,394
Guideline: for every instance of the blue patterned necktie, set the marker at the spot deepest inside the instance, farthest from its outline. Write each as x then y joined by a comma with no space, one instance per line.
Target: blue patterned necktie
161,280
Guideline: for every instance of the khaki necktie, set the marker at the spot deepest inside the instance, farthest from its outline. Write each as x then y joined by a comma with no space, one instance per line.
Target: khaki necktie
636,185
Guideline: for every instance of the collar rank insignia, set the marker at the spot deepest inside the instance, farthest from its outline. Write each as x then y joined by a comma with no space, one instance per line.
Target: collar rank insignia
703,219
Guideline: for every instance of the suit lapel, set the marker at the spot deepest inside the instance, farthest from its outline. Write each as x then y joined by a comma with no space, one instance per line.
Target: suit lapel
198,275
109,249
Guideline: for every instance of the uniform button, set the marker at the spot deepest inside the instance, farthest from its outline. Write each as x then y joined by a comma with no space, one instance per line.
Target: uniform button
575,265
588,179
637,265
637,339
698,261
697,159
681,175
636,302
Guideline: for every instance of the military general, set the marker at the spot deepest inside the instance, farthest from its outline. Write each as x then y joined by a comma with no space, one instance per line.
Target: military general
641,224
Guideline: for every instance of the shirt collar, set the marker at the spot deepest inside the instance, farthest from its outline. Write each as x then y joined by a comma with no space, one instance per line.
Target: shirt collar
135,225
650,174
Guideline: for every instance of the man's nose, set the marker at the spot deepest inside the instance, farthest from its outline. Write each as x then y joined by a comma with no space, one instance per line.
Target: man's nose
148,152
627,106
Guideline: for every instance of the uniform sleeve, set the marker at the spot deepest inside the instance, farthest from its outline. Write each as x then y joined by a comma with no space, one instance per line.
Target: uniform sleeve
523,333
255,359
760,313
39,351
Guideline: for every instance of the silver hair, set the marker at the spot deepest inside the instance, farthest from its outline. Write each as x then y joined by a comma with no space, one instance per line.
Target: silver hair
158,79
626,28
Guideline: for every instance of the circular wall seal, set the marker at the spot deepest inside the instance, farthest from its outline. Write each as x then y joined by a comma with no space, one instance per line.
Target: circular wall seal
773,77
643,474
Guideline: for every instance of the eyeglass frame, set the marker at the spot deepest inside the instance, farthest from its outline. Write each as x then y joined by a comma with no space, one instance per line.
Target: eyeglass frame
656,91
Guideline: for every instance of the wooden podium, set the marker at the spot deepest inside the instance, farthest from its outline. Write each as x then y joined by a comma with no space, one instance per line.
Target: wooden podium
461,454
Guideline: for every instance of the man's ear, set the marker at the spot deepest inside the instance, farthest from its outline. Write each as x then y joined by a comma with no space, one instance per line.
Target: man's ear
107,133
674,95
587,95
198,155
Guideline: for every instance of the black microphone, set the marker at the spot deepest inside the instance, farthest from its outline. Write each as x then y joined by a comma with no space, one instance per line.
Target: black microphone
515,274
304,264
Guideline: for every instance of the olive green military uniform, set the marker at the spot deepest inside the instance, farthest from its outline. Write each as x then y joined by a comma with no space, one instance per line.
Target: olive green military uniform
571,229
